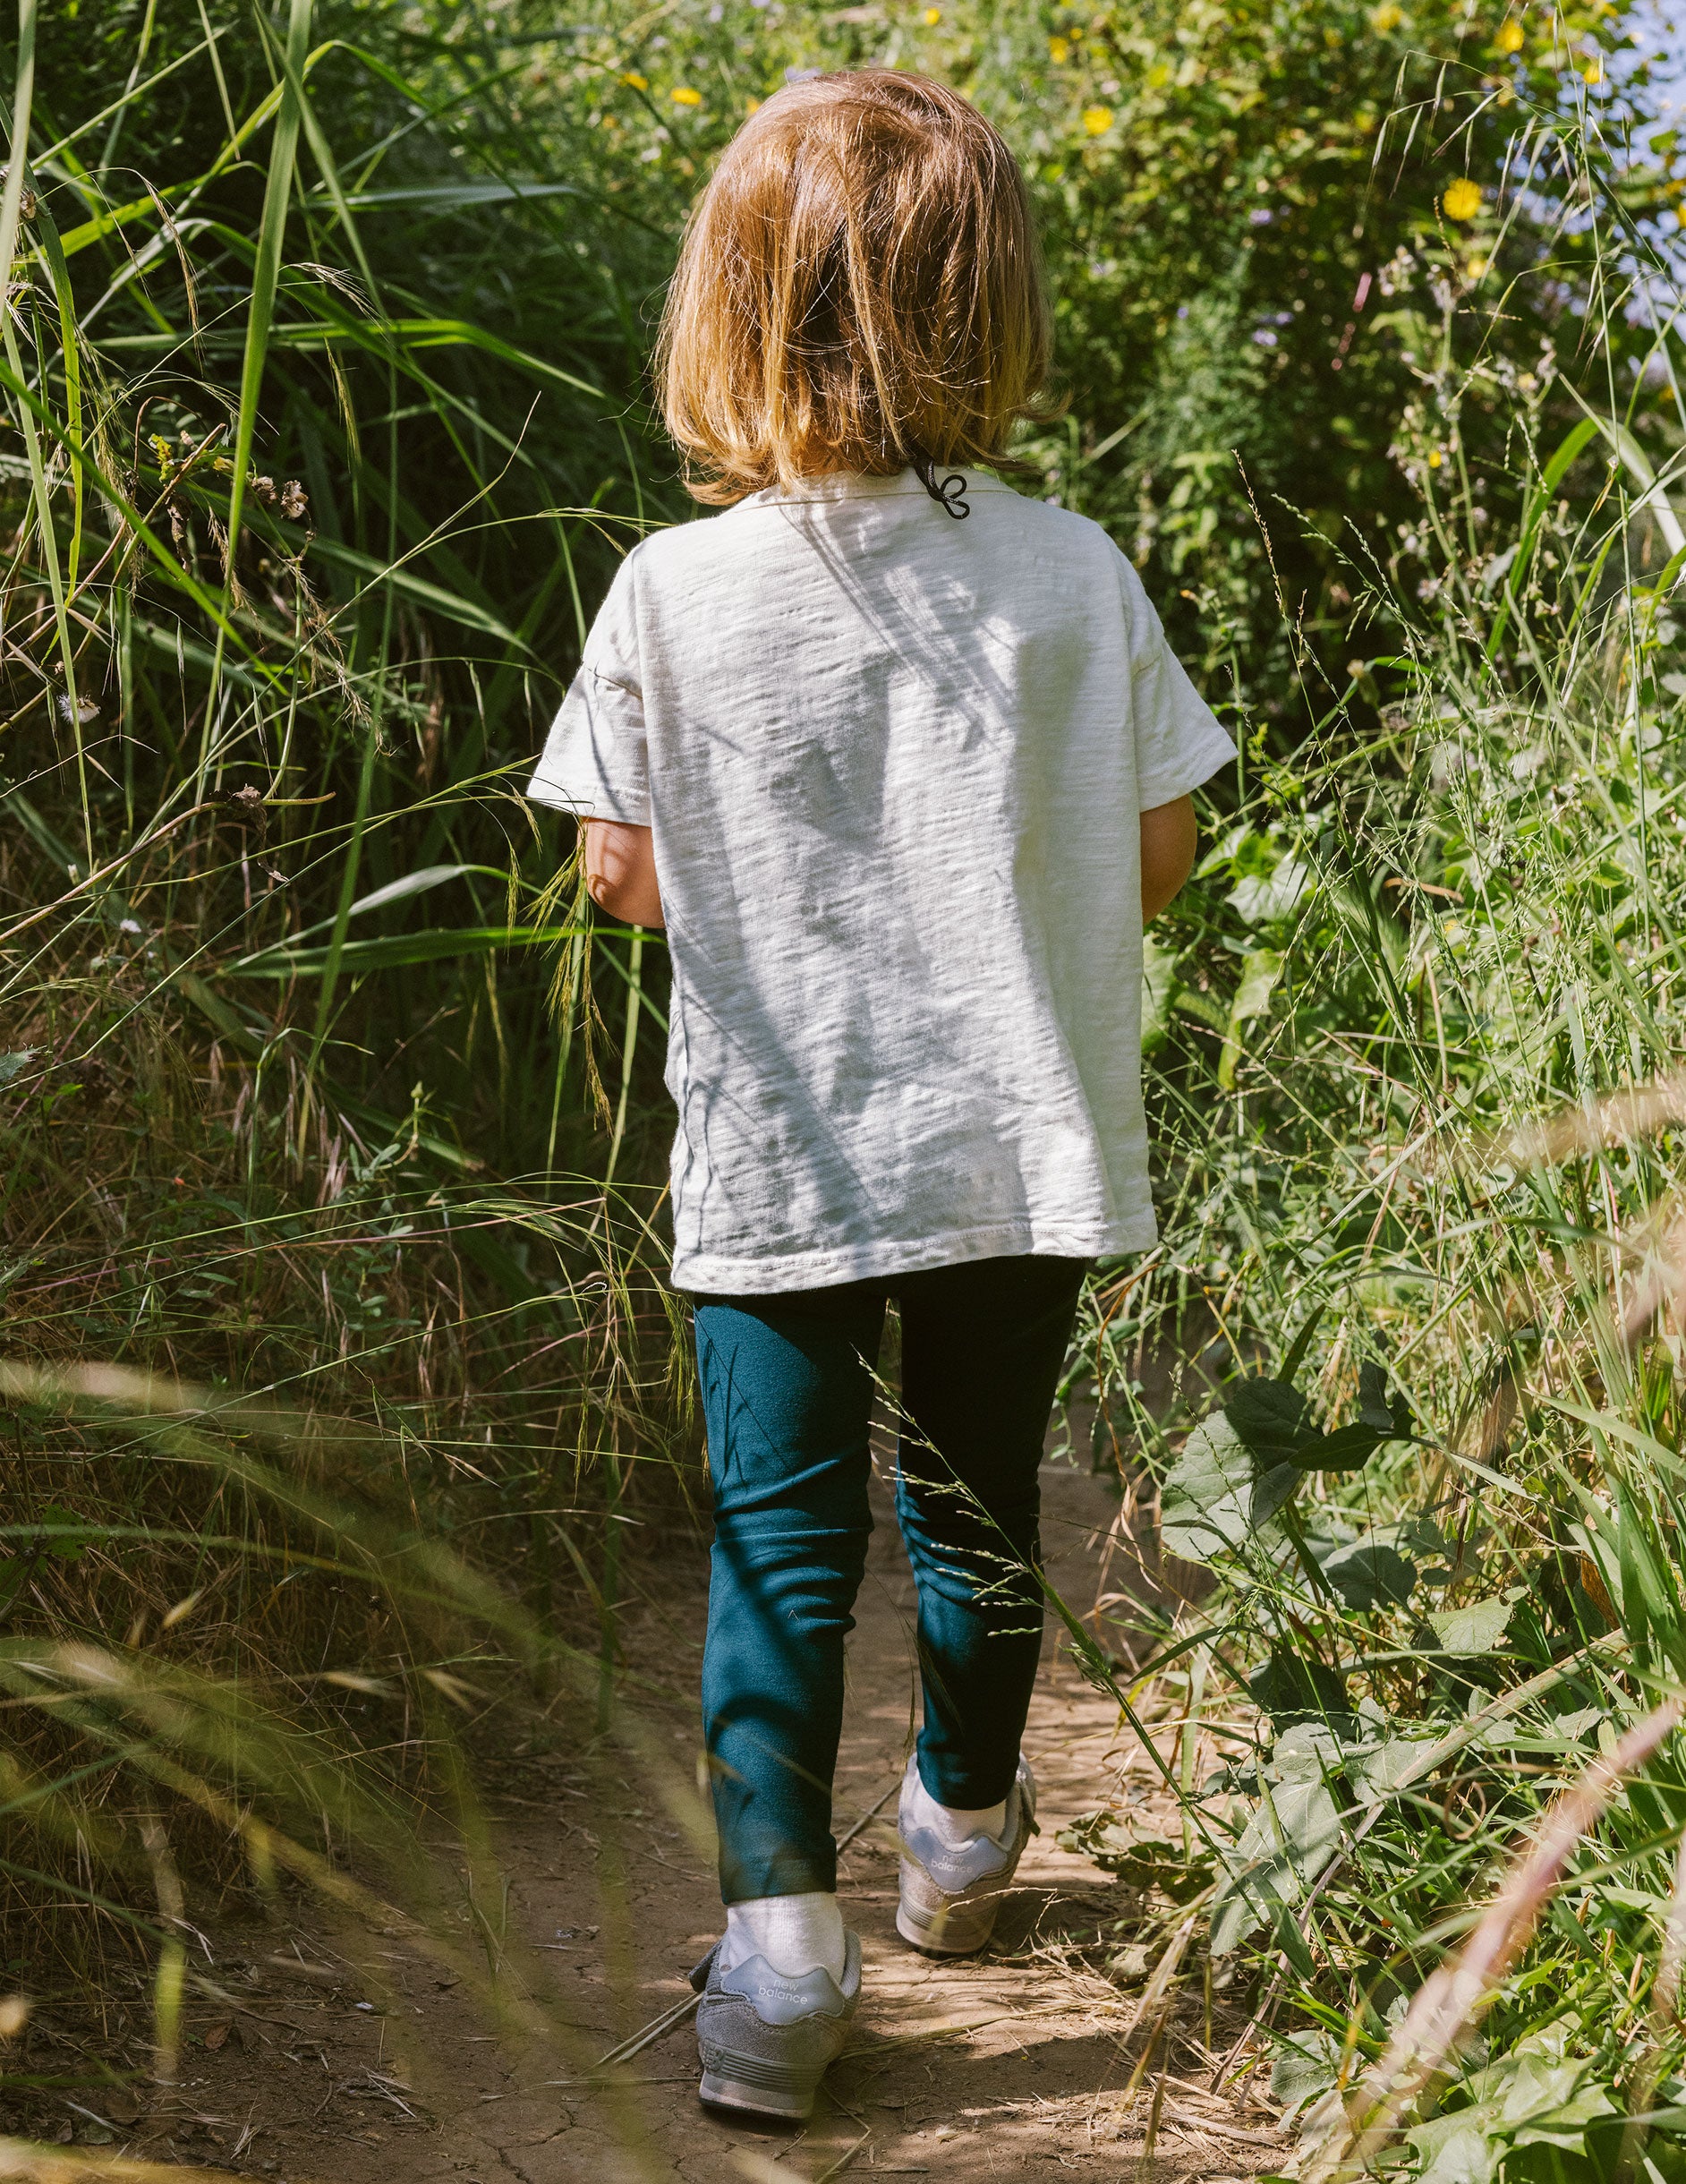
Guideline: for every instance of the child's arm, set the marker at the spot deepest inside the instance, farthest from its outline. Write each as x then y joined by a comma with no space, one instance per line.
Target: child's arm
620,871
1168,854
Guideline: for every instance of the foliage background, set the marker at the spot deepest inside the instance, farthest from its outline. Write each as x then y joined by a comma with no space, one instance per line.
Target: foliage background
319,1081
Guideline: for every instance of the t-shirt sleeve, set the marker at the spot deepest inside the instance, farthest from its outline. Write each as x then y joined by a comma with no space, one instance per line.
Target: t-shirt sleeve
1178,741
596,760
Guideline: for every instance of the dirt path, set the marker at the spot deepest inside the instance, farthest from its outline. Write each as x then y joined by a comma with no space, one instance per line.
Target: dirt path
999,2068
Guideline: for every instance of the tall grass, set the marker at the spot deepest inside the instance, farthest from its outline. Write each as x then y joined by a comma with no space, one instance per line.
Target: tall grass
328,1250
1419,1026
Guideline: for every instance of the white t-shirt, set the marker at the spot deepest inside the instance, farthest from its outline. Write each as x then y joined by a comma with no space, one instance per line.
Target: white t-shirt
894,763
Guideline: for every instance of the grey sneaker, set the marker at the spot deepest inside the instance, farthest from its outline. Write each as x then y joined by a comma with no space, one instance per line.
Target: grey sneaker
766,2040
951,1893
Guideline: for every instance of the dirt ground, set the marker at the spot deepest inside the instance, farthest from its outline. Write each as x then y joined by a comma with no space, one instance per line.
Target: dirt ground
329,2062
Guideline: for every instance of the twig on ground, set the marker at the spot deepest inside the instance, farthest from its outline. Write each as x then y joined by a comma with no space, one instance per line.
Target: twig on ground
843,2159
1194,2120
1154,1993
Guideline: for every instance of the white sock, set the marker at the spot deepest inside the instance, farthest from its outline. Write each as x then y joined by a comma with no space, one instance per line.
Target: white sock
795,1934
955,1824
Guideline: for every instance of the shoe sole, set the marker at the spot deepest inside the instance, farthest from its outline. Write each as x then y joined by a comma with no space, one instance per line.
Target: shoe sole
925,1941
795,2106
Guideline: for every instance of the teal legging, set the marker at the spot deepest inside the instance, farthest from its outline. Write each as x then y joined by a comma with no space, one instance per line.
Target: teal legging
787,1391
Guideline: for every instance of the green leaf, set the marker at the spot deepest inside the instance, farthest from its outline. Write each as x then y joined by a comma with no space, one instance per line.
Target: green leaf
1288,1937
1260,971
1262,901
409,883
1421,1538
1292,1691
1241,1907
1215,1496
1205,1007
1566,2125
1369,1575
1476,1629
262,962
1350,1446
1372,1404
1305,2065
1159,992
63,1551
1349,1449
1140,1862
1376,1774
14,1064
1271,1417
1453,2150
1301,1343
1285,1846
1534,512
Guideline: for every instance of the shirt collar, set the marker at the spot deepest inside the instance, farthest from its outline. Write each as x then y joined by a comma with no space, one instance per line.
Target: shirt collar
856,485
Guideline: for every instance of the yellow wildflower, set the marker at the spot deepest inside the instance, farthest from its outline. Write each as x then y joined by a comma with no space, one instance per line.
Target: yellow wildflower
1462,200
1473,268
754,107
1593,70
638,82
1680,214
1434,459
1059,51
1510,37
1386,18
1097,120
684,96
933,16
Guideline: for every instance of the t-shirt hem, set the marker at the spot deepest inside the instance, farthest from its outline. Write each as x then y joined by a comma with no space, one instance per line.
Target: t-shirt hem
771,1274
1207,758
627,807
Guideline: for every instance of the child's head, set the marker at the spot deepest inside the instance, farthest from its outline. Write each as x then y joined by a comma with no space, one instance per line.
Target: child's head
859,289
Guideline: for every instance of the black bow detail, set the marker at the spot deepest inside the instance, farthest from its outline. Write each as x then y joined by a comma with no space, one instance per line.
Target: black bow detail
950,494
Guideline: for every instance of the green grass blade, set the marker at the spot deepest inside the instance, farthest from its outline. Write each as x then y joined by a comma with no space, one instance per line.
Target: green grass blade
396,951
22,103
271,233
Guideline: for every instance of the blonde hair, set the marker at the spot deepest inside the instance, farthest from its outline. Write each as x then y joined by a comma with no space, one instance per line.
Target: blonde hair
859,289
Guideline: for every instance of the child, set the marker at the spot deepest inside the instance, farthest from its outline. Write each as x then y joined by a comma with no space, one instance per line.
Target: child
902,761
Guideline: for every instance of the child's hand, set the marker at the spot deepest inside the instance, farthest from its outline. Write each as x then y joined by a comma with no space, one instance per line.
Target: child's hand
620,871
1167,853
